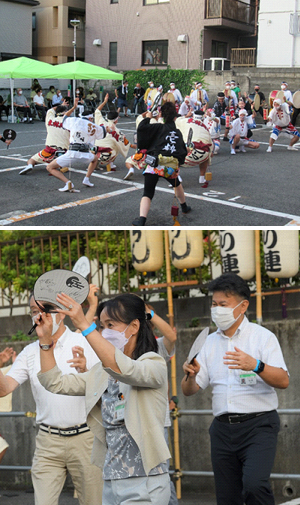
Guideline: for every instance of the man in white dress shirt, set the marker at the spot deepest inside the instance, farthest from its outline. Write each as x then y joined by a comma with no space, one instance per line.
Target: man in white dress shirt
243,363
64,441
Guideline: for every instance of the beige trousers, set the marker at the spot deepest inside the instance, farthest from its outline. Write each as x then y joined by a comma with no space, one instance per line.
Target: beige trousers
53,457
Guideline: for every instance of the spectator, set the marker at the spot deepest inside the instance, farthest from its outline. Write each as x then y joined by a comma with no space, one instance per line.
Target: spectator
138,94
3,106
5,403
79,93
121,94
39,103
50,95
21,105
57,98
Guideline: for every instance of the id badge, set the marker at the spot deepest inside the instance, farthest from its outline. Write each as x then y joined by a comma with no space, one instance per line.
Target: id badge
119,411
248,379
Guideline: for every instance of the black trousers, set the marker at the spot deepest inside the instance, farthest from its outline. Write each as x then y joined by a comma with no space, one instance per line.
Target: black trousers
242,458
151,180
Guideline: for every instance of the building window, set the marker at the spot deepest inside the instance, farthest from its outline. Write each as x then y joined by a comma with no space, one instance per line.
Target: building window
150,2
218,49
76,14
114,1
55,17
113,49
155,52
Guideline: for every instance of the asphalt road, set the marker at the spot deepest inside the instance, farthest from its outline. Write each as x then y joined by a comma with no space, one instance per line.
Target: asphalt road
251,189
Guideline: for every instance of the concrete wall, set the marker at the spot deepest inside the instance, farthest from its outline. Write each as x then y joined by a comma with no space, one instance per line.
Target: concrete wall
273,26
195,452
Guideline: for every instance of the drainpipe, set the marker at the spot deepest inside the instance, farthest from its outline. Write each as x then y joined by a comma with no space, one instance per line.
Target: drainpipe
294,34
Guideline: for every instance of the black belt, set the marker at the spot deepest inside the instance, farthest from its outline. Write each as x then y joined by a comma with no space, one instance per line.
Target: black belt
65,432
239,418
83,148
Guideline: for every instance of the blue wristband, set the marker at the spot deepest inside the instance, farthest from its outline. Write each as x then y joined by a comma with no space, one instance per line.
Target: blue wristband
152,313
89,330
257,365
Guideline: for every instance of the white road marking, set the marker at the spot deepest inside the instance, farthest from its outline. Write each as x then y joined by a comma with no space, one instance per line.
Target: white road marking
68,205
233,199
296,501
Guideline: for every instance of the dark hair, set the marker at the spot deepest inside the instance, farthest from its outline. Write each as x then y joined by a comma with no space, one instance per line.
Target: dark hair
221,94
168,112
232,284
125,308
112,115
60,108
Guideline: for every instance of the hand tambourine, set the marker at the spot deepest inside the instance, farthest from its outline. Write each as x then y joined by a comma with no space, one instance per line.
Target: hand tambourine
9,134
49,284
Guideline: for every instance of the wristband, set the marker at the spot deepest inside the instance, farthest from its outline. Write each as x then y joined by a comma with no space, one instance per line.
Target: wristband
89,330
257,365
152,313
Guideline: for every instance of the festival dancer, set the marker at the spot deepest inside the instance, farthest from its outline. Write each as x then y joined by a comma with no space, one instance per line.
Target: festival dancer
201,144
187,107
83,133
177,95
239,132
281,119
212,123
114,143
166,150
57,139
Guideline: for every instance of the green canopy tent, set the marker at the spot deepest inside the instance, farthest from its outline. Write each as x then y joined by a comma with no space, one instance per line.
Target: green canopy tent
23,68
82,70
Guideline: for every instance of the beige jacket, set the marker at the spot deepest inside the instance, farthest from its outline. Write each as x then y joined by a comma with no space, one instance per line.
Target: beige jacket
145,389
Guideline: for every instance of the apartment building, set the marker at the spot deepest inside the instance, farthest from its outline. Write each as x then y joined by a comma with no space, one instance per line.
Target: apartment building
132,34
16,28
53,33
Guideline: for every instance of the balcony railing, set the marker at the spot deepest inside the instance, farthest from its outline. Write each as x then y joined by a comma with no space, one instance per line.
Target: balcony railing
234,10
243,57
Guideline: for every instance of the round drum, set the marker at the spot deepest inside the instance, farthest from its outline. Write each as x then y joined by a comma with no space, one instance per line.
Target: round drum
272,97
152,94
296,99
280,94
168,97
256,101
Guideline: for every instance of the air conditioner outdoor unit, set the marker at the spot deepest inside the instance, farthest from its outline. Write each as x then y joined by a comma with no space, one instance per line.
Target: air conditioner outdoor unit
216,64
97,42
182,38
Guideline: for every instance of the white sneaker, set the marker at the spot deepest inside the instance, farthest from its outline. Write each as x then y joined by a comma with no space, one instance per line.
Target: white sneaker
86,182
242,149
67,187
292,148
24,120
26,169
179,178
112,165
269,150
232,151
30,120
129,174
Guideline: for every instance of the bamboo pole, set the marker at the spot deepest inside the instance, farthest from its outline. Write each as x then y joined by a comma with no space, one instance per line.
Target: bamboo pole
258,278
173,364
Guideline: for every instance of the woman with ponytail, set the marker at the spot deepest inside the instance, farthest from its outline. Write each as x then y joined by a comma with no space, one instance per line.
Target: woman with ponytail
126,397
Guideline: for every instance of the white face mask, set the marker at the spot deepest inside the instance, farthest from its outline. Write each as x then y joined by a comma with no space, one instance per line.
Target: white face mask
55,325
20,92
116,338
172,87
223,316
151,85
227,87
283,86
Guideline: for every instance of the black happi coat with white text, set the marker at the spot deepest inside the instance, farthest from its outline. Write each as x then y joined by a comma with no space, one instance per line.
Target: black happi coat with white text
159,138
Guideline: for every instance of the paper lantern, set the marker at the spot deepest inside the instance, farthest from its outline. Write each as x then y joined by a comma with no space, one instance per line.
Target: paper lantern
281,253
147,250
186,248
238,252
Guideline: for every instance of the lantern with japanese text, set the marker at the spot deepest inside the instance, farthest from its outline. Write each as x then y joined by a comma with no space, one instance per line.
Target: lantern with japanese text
147,250
238,252
186,248
281,253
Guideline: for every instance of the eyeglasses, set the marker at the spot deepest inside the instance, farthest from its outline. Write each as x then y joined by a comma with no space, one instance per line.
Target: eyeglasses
33,312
